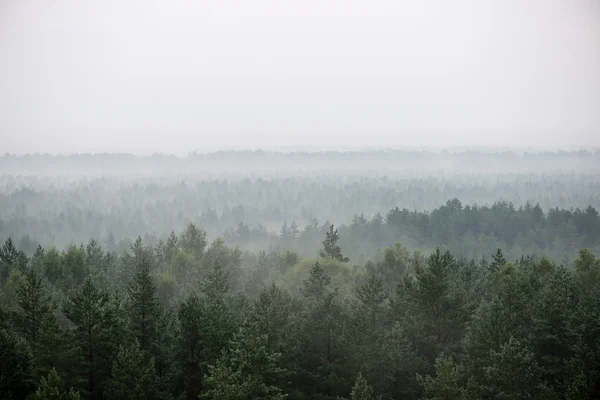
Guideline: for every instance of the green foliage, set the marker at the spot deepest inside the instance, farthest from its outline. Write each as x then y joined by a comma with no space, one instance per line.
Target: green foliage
247,370
362,390
447,383
16,367
172,318
498,260
193,241
191,344
371,297
35,305
51,388
513,373
436,309
96,333
143,308
133,375
11,258
331,247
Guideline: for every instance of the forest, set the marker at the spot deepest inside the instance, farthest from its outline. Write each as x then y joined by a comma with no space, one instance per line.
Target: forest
270,282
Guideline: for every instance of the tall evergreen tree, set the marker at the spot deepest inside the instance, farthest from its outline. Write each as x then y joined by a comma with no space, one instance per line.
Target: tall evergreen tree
362,390
143,308
171,246
97,332
246,370
16,367
331,247
51,388
191,345
133,375
513,373
34,305
436,310
371,297
447,383
193,241
498,260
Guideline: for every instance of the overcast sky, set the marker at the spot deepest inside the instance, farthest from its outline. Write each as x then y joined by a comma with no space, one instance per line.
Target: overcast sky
180,75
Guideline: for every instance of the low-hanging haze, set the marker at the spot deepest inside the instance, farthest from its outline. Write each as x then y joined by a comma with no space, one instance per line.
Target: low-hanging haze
181,75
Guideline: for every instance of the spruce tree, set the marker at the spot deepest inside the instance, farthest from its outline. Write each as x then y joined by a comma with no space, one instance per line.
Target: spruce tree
362,390
272,314
371,297
52,388
436,310
171,247
331,247
16,367
34,305
97,333
246,370
552,329
133,375
191,345
447,383
498,260
513,373
143,308
193,241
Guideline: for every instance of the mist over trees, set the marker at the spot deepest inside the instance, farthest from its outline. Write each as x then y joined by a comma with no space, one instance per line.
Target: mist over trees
369,275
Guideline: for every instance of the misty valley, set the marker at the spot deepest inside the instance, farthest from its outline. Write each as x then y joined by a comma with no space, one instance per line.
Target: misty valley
266,275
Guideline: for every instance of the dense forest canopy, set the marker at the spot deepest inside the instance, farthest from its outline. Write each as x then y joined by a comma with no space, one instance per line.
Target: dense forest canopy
363,276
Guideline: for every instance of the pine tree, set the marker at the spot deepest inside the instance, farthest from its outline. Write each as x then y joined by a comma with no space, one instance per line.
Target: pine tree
392,363
11,258
143,308
16,367
149,324
53,266
293,232
193,241
34,304
94,256
552,331
447,383
371,297
284,232
51,388
220,315
171,247
54,349
436,310
133,375
317,283
74,266
496,321
321,348
191,351
37,261
247,370
498,260
96,333
362,390
579,389
331,247
272,313
513,373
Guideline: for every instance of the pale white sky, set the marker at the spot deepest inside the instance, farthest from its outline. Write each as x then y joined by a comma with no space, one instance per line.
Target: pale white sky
174,76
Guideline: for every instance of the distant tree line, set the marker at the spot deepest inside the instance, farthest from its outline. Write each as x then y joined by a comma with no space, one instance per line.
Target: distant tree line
469,231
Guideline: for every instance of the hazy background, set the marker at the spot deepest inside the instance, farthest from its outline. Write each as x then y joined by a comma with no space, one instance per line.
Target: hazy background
177,76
